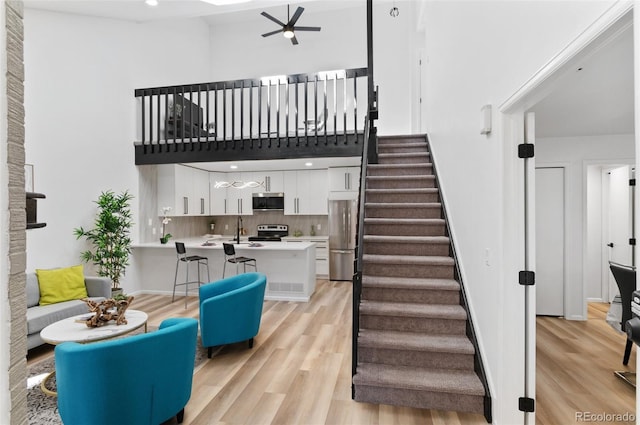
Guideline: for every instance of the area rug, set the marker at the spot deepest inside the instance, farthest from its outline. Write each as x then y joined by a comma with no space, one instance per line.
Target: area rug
43,409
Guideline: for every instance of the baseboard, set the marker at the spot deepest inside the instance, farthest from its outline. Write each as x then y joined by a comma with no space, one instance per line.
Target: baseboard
595,300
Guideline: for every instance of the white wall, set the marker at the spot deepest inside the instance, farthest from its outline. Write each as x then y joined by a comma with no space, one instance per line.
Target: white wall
481,53
581,283
5,319
593,226
240,52
81,73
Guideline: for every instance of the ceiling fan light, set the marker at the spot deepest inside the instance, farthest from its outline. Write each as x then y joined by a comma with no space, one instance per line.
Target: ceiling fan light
288,33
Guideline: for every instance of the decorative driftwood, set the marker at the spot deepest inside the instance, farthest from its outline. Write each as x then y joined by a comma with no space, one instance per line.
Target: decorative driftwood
106,311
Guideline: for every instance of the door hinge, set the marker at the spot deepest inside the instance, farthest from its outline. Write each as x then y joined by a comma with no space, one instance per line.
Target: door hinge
526,277
526,404
525,150
632,241
632,182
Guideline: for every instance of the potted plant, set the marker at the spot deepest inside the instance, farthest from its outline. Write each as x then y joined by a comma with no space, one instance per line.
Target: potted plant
110,236
165,220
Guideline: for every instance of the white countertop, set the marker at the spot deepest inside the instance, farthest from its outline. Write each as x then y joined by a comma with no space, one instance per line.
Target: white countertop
216,244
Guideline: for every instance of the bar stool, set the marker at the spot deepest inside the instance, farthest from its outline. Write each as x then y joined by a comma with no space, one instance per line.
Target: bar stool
230,257
188,259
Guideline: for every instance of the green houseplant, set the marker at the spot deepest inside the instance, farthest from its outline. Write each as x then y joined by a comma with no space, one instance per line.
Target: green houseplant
110,236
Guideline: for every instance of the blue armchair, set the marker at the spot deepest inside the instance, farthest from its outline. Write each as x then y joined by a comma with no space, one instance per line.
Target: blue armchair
231,309
140,379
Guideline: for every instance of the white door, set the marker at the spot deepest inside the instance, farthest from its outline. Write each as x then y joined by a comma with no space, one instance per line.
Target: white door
550,241
619,207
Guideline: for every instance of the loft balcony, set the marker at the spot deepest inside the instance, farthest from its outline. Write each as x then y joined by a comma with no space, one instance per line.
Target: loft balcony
320,114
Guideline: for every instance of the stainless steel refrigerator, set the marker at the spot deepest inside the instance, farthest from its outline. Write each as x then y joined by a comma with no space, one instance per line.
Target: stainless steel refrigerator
343,216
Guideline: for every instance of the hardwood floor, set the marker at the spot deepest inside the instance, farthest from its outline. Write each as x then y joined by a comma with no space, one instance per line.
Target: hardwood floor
299,371
575,365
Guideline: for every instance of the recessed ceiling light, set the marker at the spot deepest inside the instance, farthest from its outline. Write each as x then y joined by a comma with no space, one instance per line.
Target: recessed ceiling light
233,167
308,164
225,2
151,2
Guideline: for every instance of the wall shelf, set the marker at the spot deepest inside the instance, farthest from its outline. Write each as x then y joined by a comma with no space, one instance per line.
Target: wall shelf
32,210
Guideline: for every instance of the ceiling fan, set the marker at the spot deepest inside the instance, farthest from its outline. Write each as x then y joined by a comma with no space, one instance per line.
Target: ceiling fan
289,28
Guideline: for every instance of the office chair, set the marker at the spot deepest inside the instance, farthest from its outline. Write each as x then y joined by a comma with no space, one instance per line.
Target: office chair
188,259
625,277
231,257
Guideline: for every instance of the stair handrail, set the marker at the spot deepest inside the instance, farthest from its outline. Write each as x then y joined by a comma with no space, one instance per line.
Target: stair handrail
369,155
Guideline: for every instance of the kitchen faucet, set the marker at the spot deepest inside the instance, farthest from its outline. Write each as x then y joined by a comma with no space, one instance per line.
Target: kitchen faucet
238,226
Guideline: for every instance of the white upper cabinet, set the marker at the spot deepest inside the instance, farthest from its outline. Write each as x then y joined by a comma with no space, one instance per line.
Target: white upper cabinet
305,192
344,179
273,181
218,196
184,189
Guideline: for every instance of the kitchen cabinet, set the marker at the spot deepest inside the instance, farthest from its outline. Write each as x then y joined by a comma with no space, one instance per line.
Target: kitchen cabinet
305,192
344,179
273,181
230,200
322,251
184,189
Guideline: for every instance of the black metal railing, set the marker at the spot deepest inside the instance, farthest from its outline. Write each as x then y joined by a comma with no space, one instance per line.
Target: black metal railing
320,108
370,145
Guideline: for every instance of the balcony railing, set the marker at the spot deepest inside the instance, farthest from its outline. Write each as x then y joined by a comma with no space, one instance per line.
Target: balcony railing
319,109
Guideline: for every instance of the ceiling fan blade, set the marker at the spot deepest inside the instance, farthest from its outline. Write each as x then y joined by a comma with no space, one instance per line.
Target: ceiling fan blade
294,40
271,33
296,16
306,28
277,21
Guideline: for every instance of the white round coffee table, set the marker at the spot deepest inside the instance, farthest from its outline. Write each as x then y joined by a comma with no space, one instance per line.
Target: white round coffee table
70,330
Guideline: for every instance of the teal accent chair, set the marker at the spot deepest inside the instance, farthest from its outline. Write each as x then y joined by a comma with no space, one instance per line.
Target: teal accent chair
231,309
140,379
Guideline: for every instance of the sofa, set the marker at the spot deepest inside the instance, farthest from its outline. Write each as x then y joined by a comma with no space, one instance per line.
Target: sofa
40,316
142,379
231,309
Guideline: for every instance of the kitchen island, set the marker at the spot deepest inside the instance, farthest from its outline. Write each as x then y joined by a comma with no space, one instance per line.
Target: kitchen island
290,267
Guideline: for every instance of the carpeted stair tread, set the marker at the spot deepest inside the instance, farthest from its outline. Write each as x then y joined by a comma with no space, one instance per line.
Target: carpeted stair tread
407,221
407,239
405,145
403,205
409,177
410,283
430,260
426,311
396,340
411,378
405,190
396,166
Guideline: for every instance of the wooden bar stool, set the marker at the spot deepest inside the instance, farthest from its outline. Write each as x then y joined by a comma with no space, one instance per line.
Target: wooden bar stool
188,259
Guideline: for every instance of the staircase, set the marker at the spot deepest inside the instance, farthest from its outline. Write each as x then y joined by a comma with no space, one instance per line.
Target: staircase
413,348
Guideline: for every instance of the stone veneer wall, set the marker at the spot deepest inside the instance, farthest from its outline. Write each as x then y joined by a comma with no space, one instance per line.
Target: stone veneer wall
17,216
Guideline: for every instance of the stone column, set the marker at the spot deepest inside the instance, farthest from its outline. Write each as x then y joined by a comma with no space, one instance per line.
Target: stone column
15,249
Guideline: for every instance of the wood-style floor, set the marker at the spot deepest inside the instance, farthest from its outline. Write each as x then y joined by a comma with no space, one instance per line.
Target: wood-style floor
299,371
575,365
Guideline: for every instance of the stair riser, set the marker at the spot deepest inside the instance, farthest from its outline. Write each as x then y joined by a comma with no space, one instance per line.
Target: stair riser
419,399
391,183
403,197
377,212
402,149
404,229
438,249
408,270
411,296
399,140
425,359
409,159
400,171
413,324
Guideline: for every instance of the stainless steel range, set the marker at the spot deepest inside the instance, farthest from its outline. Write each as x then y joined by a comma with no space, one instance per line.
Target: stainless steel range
270,233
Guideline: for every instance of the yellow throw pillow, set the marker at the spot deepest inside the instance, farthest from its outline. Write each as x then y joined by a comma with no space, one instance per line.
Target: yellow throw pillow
64,284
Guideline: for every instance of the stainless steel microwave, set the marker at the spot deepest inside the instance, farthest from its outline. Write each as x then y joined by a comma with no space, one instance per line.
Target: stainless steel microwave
268,201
